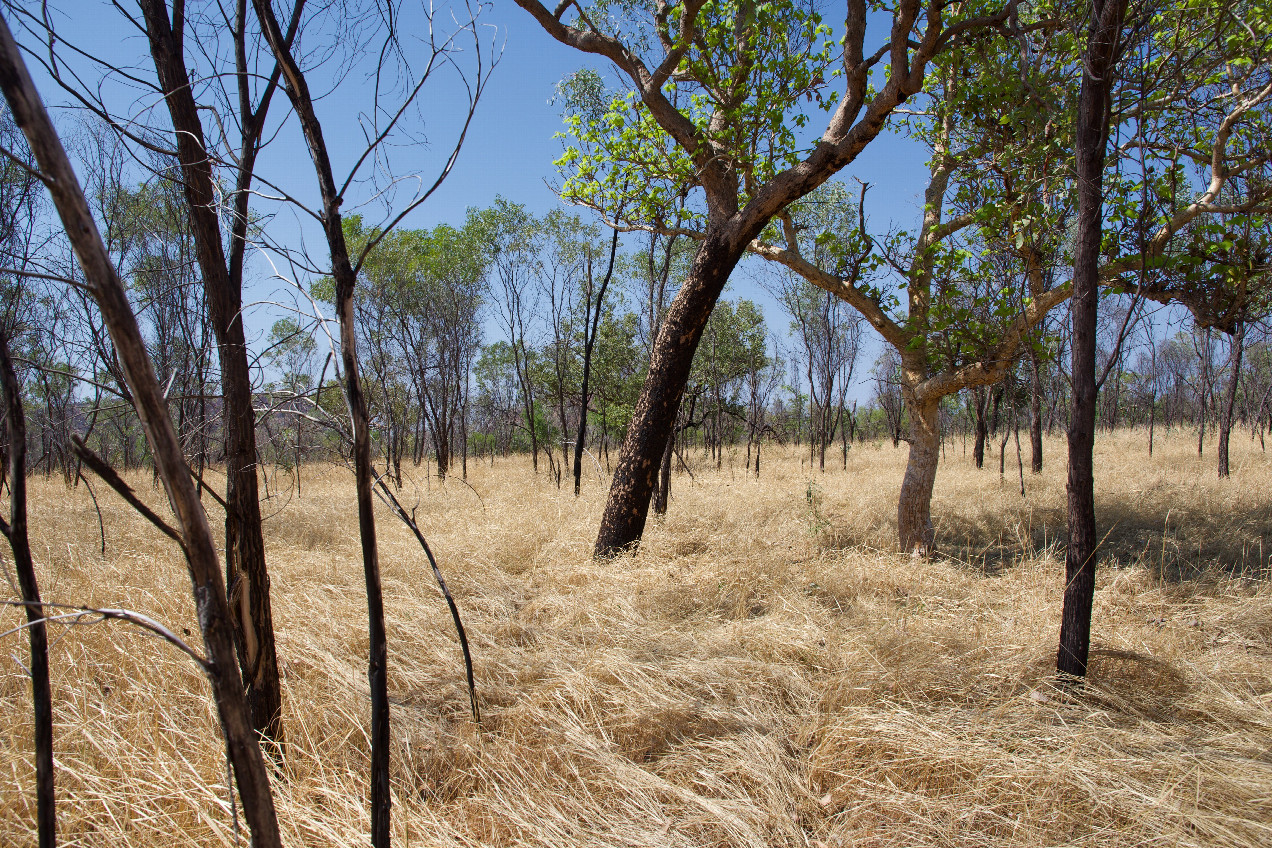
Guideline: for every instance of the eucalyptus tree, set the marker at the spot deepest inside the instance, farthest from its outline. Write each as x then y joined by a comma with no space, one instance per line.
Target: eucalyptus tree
998,121
715,95
291,353
1227,260
734,342
514,240
443,324
828,330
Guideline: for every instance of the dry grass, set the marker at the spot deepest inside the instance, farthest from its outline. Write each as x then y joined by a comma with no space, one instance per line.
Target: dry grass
765,672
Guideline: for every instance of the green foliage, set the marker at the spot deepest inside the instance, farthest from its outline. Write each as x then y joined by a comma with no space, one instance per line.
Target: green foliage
749,76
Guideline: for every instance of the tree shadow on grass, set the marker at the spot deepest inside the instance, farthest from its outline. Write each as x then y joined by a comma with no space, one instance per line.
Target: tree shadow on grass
1174,543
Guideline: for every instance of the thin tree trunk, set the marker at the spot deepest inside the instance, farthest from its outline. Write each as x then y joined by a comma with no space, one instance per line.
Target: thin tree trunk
246,578
37,632
588,346
200,550
1035,416
1092,137
1225,422
981,398
663,493
345,280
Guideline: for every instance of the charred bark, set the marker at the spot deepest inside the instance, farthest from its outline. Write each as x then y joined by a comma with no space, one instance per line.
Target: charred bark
200,551
1230,398
655,415
981,403
1100,58
345,279
37,632
246,576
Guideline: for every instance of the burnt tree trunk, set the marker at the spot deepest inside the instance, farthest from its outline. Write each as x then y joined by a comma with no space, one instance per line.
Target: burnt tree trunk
37,631
108,291
246,577
655,415
589,344
981,403
1092,138
345,279
1035,414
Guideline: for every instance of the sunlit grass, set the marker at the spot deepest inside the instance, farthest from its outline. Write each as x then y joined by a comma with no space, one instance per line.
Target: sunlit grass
767,671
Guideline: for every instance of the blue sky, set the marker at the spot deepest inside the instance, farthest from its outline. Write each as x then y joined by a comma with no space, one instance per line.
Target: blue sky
509,148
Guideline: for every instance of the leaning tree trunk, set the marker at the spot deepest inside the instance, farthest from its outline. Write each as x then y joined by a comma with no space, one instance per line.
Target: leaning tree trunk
242,750
914,507
1225,422
655,415
1092,138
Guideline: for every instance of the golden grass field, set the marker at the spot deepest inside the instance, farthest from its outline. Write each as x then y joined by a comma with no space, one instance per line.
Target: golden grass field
767,671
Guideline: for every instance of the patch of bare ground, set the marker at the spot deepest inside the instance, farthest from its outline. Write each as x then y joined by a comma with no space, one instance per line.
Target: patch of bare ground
764,672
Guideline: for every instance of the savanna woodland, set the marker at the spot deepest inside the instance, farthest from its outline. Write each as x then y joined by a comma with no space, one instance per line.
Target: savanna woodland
864,444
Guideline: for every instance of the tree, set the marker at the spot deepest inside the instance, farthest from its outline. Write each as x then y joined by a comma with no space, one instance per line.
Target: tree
207,164
979,283
594,309
344,268
828,329
515,240
716,93
1105,43
200,551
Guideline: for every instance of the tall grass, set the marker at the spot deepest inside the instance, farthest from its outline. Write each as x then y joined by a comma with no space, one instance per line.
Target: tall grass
765,672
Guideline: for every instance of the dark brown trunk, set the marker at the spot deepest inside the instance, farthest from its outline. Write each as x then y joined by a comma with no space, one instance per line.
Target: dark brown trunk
1092,136
246,577
981,397
914,506
345,279
37,632
663,493
1035,416
655,415
214,618
588,346
1230,399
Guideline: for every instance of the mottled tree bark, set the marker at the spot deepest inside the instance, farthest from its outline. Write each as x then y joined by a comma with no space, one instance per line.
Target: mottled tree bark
914,506
655,415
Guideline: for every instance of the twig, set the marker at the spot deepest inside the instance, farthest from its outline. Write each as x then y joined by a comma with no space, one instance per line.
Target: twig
112,479
386,495
77,615
101,525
